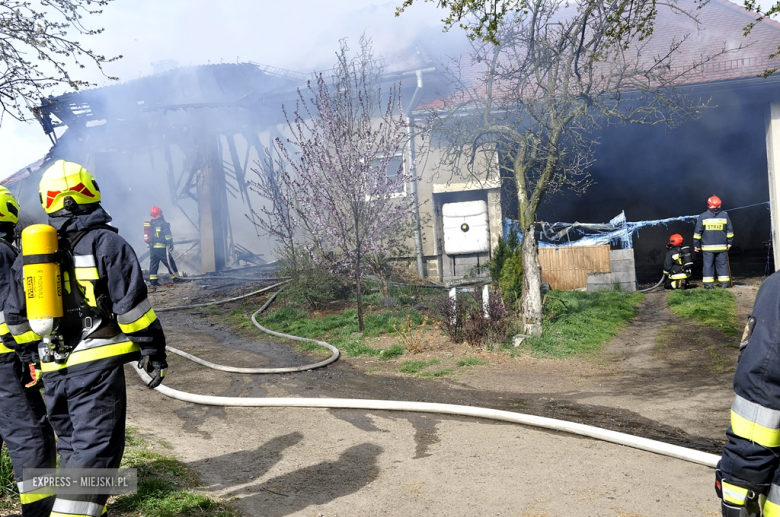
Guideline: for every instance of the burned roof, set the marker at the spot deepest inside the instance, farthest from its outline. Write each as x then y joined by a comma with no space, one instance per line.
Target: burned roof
222,85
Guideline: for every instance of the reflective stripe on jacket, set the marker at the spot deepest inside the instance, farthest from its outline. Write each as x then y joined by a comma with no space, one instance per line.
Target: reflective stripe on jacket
673,266
713,231
7,257
750,455
161,233
108,274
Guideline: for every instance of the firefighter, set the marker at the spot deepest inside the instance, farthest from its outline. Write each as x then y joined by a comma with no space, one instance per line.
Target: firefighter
107,321
674,265
713,236
23,424
161,247
749,467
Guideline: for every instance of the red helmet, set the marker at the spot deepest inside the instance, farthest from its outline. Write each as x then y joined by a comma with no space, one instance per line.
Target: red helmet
713,202
156,212
676,239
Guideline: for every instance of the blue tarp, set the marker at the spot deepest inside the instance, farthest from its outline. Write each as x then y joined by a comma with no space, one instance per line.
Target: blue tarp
617,231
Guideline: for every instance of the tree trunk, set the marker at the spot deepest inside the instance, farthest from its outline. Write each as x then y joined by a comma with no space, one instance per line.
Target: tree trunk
359,297
531,300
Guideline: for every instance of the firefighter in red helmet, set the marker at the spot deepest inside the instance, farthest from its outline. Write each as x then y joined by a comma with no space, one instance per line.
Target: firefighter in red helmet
677,265
713,236
160,246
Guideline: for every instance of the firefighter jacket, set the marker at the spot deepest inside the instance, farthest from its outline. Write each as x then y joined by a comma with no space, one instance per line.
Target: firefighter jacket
713,231
7,257
750,456
111,282
161,233
673,264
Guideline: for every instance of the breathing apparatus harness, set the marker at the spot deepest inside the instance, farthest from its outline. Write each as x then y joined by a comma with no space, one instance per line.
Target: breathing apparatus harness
10,246
80,320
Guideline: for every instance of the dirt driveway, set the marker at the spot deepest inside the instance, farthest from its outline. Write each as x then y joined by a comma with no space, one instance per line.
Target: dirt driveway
317,462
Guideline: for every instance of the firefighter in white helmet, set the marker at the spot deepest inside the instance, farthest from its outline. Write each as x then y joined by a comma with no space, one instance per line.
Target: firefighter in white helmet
107,321
23,424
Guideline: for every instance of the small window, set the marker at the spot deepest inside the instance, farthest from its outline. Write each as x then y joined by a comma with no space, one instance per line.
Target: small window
395,167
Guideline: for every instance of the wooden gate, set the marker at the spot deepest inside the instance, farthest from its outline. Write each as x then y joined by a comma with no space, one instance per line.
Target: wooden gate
568,267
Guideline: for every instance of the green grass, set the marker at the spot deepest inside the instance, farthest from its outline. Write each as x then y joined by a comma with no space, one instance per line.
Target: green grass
419,368
9,493
337,329
164,486
714,308
413,367
435,373
392,352
579,323
470,361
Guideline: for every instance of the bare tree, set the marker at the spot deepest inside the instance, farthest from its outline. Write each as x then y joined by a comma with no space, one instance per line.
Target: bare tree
772,11
537,99
482,19
340,184
275,219
38,49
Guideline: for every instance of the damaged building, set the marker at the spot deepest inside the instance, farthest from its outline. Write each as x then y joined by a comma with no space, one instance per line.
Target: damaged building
186,139
651,173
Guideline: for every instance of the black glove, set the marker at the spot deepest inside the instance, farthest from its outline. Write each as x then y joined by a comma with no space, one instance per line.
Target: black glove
170,248
156,368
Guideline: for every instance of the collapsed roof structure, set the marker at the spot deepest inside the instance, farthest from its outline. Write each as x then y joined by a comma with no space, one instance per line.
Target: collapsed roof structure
183,138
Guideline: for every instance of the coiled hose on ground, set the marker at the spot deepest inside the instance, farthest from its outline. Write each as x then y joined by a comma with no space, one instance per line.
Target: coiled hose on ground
645,444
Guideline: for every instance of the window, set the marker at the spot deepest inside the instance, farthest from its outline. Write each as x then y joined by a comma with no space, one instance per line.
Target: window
394,169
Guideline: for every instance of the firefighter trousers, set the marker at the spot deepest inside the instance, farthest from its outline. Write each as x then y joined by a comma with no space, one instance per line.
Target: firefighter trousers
715,260
158,255
87,412
26,433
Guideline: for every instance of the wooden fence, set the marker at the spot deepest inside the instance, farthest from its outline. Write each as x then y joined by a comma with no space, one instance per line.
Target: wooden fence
568,267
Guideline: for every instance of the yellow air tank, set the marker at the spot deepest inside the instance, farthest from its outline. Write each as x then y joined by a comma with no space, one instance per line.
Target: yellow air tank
42,285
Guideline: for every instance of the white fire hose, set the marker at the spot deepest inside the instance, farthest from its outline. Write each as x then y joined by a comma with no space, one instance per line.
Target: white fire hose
645,444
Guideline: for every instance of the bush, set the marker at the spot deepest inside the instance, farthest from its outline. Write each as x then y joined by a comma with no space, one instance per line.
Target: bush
506,268
312,284
465,319
504,250
489,331
511,280
452,316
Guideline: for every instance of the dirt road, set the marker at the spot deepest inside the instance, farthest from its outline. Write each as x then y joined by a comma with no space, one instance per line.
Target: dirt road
315,462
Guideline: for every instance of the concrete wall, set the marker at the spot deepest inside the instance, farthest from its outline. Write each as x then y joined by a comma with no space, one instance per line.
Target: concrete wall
622,273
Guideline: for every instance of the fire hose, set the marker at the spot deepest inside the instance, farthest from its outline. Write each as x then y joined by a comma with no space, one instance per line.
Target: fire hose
645,444
663,277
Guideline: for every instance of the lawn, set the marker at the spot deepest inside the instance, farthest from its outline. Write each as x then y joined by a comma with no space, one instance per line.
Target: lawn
579,323
714,308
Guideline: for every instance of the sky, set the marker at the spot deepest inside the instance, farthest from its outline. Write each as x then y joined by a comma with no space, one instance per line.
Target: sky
297,35
294,34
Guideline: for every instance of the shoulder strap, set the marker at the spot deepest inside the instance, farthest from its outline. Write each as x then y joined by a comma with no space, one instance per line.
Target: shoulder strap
75,237
10,247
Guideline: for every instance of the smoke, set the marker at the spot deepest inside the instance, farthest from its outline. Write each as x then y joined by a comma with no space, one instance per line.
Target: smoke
652,174
140,153
647,172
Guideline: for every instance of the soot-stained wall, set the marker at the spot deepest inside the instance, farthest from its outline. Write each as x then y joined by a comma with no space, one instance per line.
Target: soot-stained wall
652,173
